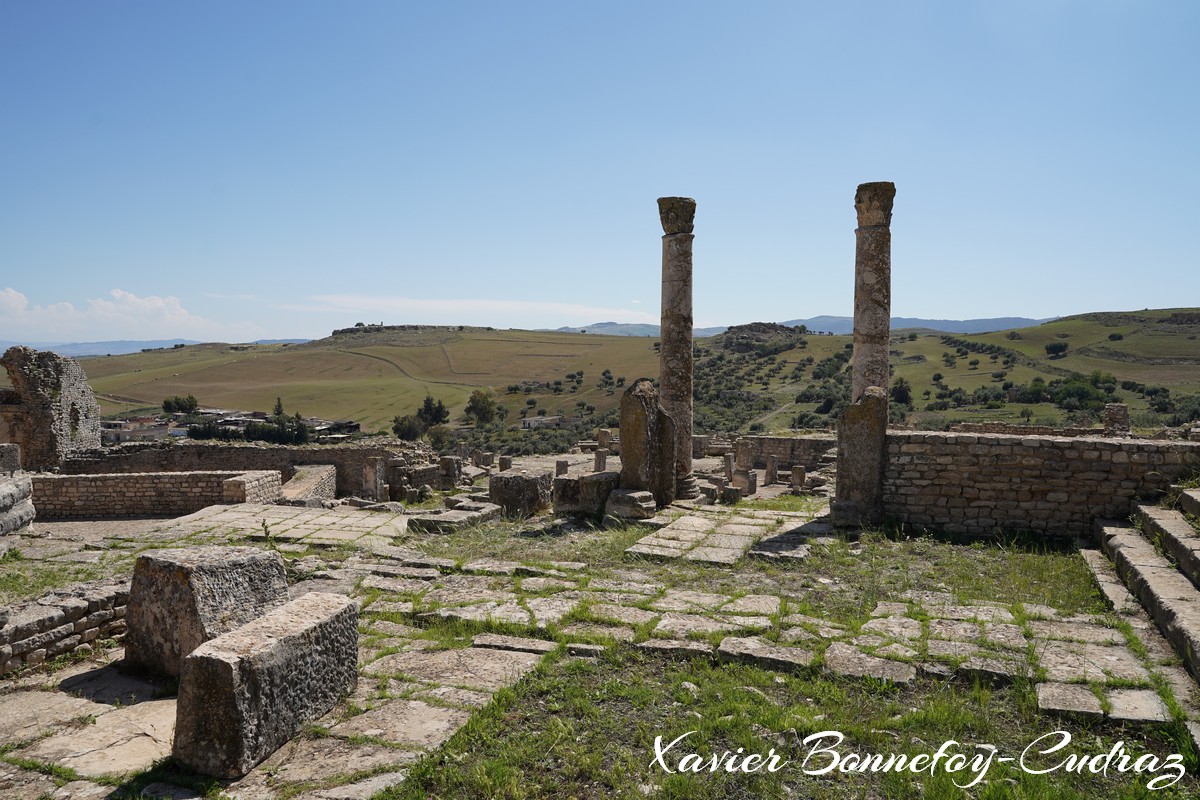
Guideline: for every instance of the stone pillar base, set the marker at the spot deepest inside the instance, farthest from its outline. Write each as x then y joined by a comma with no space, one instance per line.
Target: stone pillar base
687,487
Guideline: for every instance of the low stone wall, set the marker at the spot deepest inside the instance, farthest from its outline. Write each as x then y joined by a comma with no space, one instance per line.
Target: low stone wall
151,494
792,451
360,468
983,483
16,509
315,482
61,622
1012,429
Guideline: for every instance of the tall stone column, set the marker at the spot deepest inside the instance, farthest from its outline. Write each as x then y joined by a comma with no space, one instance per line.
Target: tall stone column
675,355
872,285
862,427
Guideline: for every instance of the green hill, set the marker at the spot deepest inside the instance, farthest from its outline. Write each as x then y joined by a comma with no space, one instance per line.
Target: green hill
761,375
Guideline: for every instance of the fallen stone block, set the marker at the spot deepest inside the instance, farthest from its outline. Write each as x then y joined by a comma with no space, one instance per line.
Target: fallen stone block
585,494
520,494
246,693
180,599
630,504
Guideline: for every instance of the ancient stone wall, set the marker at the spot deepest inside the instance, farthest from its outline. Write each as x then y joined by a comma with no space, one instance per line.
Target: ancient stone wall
314,482
152,494
360,468
1013,429
805,451
259,486
51,411
61,622
983,483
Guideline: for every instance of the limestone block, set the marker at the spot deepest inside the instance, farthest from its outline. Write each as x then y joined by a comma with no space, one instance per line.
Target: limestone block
630,504
16,505
180,599
518,493
585,494
247,692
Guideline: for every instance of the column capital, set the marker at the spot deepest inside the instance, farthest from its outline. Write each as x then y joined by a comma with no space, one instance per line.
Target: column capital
676,214
873,202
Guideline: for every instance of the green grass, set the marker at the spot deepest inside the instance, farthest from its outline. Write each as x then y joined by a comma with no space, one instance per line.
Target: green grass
588,729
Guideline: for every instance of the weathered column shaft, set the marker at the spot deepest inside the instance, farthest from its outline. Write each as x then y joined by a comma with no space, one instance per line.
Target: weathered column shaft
675,359
872,285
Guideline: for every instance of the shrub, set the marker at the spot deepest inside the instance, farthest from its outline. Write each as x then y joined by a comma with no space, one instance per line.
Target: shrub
1056,349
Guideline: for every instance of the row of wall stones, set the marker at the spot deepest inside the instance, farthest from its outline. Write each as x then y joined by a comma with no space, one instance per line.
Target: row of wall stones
982,483
316,482
360,467
62,622
1022,430
148,493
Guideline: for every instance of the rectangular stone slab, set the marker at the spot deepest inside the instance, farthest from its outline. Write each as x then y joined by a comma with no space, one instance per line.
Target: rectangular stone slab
243,695
181,598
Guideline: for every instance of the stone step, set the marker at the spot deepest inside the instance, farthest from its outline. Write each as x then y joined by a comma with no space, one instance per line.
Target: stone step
1189,501
1174,534
1169,597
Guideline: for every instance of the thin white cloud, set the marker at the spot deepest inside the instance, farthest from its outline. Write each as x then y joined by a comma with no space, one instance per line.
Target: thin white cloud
472,311
121,315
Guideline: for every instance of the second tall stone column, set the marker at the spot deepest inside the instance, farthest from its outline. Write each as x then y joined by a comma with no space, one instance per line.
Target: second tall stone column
675,356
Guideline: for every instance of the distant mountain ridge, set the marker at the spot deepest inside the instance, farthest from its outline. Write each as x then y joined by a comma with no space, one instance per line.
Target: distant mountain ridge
827,324
634,329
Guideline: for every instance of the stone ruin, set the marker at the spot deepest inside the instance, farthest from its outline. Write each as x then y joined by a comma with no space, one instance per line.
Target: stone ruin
51,410
253,667
16,495
656,424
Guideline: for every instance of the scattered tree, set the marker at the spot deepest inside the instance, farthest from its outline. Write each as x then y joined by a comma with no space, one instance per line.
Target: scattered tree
481,406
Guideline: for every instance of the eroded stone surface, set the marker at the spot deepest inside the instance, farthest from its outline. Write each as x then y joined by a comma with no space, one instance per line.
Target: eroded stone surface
247,692
842,659
1068,698
179,599
474,667
123,740
408,723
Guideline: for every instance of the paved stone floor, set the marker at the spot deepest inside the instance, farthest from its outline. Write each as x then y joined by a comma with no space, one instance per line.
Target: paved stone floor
414,692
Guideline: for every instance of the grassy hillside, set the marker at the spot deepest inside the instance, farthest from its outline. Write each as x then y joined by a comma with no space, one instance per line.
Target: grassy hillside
371,377
748,376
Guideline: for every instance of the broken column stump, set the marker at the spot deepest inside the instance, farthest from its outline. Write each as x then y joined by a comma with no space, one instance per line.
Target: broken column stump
647,443
179,599
246,693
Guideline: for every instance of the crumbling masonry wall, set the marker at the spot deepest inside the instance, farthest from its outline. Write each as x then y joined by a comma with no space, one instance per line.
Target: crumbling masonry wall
805,451
982,483
154,494
51,411
360,468
61,622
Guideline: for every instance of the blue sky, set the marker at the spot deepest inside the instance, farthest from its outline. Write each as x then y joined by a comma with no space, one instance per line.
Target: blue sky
233,171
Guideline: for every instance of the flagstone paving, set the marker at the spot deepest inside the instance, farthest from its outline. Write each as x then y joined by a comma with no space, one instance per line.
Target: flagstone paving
420,680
